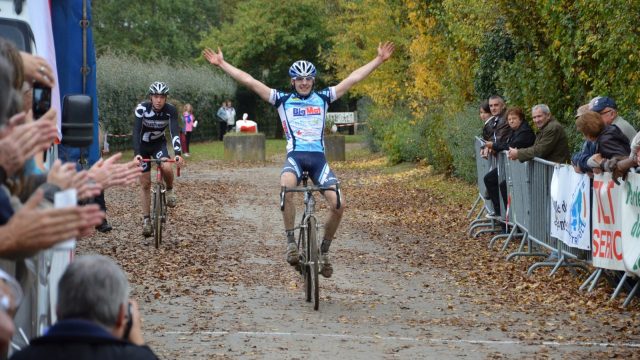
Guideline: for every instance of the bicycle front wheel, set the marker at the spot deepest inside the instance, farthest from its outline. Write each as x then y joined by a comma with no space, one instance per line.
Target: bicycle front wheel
314,259
157,217
304,263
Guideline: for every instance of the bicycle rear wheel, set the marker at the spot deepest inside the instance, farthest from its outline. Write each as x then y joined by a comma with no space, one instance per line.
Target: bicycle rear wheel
157,217
314,259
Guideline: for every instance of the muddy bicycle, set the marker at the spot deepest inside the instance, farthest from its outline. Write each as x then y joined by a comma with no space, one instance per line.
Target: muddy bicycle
158,200
308,240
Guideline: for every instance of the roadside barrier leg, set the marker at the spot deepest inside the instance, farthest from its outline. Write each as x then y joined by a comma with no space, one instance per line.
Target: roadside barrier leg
558,264
595,280
474,206
533,267
619,287
514,233
529,252
491,226
586,282
500,236
631,294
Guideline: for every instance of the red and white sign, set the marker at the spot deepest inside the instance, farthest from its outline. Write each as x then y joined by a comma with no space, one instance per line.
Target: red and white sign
607,223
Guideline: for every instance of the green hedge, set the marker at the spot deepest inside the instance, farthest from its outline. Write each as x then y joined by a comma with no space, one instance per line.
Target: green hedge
123,82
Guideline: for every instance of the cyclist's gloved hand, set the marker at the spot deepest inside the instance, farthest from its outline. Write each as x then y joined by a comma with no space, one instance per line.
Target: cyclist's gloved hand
179,160
137,158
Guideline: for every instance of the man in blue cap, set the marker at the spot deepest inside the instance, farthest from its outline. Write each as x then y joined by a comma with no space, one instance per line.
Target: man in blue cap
608,109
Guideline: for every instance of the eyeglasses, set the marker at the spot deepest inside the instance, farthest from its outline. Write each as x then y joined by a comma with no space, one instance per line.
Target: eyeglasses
302,78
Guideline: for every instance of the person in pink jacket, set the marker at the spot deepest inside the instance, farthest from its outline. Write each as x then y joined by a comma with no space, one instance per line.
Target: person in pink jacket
189,124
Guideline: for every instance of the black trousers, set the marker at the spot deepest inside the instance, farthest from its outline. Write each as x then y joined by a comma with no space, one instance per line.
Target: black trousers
222,129
495,190
187,137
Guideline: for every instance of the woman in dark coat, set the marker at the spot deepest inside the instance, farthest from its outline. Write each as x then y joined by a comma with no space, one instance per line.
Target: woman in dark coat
521,136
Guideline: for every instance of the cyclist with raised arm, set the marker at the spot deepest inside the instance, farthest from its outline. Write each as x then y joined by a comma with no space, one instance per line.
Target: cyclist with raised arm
302,112
152,117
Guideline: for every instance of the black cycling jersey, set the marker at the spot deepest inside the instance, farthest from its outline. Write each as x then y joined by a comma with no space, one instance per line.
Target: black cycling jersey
149,127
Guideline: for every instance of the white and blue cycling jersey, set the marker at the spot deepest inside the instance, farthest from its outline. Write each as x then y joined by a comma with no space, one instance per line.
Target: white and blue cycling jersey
303,119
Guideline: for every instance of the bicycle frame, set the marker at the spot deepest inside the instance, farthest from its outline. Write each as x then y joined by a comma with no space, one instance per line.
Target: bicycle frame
308,236
158,200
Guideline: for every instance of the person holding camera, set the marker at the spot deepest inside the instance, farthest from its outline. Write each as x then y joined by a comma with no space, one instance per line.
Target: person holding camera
96,318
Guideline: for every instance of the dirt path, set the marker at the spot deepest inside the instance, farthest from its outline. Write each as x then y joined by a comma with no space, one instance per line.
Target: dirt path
219,286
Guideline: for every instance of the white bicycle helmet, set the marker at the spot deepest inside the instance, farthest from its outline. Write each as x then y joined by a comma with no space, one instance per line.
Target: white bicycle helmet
158,88
302,68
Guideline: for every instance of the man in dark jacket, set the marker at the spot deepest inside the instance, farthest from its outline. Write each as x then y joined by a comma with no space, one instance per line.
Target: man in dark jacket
551,142
521,136
96,319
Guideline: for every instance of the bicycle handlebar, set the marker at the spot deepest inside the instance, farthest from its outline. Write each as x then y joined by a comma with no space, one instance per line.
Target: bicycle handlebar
284,190
162,160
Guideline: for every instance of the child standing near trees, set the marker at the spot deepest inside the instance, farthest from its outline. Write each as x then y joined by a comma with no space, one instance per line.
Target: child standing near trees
189,122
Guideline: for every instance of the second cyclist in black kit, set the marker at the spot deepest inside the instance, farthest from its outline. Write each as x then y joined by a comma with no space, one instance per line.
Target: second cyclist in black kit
152,117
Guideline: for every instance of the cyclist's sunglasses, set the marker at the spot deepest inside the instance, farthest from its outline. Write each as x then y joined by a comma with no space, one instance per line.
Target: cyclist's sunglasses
301,78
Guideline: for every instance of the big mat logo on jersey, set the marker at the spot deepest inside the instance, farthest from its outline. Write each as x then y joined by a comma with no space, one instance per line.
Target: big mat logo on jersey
309,110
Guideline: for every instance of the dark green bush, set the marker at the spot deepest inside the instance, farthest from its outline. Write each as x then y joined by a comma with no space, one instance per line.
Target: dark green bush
123,82
460,132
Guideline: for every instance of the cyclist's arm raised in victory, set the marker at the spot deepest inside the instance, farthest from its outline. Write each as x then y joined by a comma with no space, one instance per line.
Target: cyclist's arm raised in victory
240,76
384,53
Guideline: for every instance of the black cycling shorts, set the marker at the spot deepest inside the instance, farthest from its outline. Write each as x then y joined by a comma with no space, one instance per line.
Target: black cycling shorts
155,150
313,162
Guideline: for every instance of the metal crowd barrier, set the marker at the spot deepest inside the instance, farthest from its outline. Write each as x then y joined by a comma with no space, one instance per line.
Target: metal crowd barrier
480,223
529,215
528,188
33,315
518,192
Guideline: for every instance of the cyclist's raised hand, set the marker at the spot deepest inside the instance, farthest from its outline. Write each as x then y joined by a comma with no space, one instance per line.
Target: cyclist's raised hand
212,57
385,50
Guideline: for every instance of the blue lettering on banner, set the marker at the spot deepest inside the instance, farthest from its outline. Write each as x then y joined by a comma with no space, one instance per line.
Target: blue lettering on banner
578,224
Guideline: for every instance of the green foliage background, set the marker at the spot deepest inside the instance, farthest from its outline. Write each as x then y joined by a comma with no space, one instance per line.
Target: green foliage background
123,82
420,105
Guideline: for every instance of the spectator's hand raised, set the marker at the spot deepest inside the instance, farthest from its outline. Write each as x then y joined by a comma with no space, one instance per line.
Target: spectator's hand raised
85,186
33,229
21,140
36,68
61,174
109,173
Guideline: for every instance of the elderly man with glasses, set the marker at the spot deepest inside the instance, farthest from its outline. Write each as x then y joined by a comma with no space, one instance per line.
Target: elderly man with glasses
608,109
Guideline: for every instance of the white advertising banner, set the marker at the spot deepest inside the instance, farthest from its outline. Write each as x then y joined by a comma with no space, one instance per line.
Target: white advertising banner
631,223
607,223
570,211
